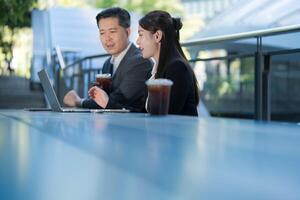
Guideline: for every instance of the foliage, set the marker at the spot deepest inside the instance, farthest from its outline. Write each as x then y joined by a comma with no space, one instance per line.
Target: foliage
70,3
143,6
239,83
14,14
105,3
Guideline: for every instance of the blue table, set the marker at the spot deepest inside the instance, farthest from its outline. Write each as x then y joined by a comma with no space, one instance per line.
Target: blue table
47,155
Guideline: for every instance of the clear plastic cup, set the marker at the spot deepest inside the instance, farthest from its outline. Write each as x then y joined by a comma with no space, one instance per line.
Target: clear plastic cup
159,91
103,81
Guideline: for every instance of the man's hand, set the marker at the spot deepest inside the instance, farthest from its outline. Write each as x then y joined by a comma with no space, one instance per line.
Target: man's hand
99,96
72,99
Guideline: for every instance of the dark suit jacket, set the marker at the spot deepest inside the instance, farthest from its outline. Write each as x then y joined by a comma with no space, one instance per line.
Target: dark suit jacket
183,97
128,82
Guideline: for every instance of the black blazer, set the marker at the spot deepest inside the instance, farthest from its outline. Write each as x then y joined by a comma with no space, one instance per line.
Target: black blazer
183,98
128,82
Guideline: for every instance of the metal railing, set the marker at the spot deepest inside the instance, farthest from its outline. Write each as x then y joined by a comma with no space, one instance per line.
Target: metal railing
73,72
261,68
262,62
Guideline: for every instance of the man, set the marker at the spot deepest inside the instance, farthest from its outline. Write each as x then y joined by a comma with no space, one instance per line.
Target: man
129,69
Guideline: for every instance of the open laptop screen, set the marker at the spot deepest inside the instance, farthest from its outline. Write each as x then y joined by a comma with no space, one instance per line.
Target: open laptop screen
49,91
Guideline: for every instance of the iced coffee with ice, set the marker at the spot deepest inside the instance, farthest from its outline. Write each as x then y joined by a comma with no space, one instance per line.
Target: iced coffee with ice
103,81
159,91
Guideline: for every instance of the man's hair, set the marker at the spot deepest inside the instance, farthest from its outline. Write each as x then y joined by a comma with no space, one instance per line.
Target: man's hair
120,13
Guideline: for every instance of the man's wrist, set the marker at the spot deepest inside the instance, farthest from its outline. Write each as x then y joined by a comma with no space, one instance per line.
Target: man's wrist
79,102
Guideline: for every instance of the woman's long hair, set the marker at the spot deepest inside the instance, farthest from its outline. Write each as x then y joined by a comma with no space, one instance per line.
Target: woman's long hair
161,20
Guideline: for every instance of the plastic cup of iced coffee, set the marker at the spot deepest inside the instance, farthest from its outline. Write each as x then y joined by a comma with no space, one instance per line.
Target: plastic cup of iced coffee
159,91
103,81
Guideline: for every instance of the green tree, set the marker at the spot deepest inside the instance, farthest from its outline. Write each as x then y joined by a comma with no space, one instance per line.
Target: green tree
105,3
143,6
14,15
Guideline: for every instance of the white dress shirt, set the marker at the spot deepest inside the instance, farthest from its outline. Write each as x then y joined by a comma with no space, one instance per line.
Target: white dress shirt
117,59
153,72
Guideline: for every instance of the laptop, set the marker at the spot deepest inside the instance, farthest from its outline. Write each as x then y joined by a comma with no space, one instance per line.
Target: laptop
54,103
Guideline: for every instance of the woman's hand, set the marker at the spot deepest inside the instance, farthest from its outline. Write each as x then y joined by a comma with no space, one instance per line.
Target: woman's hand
99,96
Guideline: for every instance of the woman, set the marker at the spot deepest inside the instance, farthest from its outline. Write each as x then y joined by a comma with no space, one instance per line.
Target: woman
158,37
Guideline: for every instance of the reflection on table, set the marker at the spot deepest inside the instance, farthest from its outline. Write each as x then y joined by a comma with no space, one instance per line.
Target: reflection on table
47,155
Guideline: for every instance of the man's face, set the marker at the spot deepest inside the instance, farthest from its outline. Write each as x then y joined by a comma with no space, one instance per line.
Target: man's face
114,37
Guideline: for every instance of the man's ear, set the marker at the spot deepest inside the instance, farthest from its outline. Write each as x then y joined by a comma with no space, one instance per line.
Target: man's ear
128,30
158,36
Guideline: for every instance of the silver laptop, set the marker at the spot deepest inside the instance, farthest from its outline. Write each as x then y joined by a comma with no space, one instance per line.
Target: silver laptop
54,103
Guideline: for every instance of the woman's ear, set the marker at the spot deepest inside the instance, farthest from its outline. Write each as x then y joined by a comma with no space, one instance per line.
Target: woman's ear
158,36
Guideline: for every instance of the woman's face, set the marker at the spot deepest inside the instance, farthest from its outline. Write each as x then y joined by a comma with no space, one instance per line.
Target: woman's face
148,43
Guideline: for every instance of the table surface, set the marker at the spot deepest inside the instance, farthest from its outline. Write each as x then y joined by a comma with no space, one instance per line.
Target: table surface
47,155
